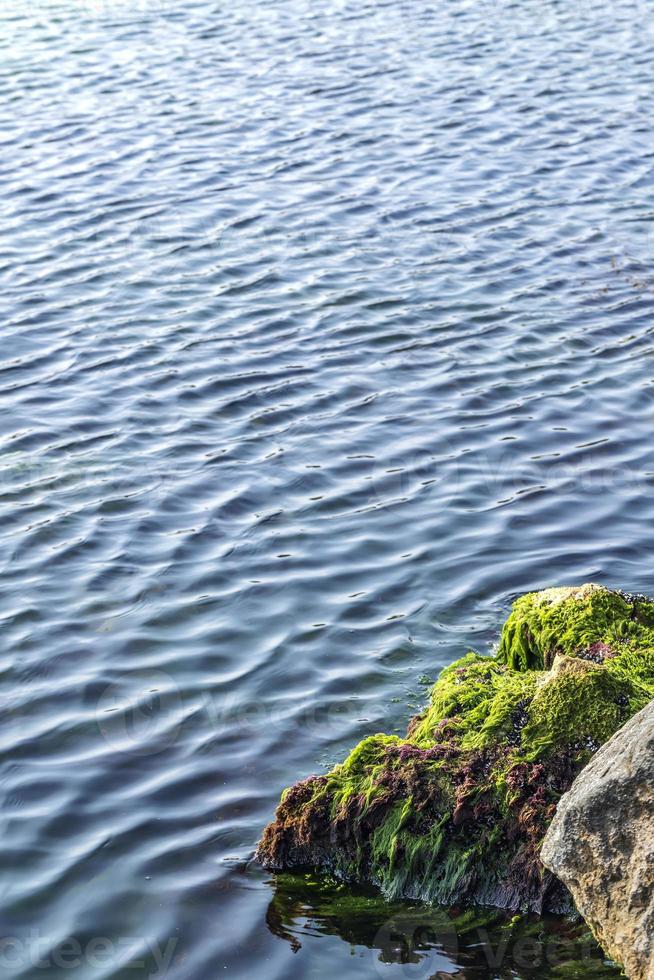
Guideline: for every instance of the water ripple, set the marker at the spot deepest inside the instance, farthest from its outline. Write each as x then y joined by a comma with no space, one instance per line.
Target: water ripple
328,330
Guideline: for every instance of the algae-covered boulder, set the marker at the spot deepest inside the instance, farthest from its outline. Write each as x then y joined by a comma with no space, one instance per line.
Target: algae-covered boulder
458,809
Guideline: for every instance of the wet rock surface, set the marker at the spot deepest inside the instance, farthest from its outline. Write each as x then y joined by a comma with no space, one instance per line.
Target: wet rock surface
601,845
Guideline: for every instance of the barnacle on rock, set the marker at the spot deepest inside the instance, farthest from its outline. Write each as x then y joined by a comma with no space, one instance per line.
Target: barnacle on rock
457,810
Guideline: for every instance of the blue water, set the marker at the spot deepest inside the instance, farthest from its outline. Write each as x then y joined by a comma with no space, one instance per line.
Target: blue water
327,331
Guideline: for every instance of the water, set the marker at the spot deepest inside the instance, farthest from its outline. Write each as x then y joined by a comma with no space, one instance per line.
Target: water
327,332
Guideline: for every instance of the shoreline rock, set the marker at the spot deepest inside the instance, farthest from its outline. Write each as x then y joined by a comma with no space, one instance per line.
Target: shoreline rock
457,811
601,844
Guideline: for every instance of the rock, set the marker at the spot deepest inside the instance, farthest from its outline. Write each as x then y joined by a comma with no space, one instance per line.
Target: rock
457,810
601,844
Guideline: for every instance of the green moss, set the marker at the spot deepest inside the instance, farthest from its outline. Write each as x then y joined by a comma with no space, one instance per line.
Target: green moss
571,620
458,808
579,704
358,777
477,696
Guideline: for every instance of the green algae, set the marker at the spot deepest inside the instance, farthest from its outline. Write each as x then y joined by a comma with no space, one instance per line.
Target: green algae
458,809
573,620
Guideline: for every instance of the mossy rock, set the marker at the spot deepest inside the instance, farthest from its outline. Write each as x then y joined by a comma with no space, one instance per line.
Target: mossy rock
457,810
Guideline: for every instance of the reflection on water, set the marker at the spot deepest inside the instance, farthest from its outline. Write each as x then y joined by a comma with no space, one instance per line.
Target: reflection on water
429,942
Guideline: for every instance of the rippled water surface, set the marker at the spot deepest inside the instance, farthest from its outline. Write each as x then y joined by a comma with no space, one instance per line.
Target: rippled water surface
327,330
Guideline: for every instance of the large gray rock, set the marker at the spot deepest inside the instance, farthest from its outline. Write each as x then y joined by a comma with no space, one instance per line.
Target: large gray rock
601,845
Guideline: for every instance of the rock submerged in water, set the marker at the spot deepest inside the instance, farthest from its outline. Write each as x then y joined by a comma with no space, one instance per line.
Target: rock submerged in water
457,811
601,844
